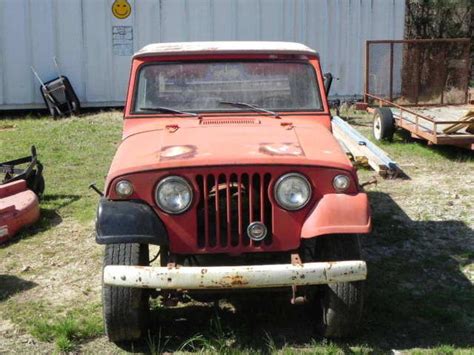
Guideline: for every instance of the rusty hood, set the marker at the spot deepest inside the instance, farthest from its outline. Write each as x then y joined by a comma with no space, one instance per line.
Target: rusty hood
193,143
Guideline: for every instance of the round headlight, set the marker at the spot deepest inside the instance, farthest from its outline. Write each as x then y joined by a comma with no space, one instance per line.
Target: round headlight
173,194
341,183
292,191
124,188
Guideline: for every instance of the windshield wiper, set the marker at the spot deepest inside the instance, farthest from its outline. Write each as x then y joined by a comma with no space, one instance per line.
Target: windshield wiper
167,110
250,106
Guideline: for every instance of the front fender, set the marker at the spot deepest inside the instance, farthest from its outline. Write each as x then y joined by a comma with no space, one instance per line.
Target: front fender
338,214
128,222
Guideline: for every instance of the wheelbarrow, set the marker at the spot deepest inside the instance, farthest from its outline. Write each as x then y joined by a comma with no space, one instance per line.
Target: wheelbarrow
58,94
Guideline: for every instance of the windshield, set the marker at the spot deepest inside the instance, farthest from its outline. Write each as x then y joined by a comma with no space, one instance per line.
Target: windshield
206,86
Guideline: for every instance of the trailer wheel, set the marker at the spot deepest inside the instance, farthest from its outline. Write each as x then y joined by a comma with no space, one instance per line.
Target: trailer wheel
384,124
339,304
126,310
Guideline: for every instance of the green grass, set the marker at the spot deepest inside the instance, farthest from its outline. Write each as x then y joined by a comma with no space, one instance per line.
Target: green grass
74,152
417,296
65,328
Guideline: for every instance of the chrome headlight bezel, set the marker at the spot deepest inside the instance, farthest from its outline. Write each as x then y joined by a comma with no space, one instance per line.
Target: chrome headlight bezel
169,180
278,185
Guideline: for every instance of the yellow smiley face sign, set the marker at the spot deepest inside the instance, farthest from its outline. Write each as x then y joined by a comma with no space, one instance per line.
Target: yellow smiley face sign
121,9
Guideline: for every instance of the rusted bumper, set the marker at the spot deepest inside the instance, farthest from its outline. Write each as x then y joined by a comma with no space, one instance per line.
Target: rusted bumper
234,277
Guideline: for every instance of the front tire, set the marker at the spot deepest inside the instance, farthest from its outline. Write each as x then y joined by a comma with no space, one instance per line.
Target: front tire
340,304
126,310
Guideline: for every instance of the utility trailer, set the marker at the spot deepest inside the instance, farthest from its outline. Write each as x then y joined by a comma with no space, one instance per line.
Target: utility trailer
420,86
442,125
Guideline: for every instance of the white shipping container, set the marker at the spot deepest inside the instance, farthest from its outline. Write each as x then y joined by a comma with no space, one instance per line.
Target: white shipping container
94,46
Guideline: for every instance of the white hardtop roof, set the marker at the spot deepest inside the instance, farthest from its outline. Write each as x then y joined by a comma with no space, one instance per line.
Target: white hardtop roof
190,48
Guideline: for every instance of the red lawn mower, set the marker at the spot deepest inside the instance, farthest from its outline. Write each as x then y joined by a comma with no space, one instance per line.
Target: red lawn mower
21,186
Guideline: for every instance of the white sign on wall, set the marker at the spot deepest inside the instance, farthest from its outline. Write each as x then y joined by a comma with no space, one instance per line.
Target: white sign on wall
122,40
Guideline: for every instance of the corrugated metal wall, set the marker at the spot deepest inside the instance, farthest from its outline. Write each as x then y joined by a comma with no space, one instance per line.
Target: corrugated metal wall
93,47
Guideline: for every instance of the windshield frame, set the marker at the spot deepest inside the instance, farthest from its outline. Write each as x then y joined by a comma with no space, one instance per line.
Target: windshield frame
141,66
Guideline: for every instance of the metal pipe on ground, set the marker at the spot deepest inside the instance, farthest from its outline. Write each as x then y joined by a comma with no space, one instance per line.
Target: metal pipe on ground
361,146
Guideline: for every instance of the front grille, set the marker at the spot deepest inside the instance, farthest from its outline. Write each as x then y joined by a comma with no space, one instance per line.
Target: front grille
228,203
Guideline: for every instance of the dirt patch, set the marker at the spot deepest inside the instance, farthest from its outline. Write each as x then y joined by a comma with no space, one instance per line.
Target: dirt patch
59,268
15,341
64,264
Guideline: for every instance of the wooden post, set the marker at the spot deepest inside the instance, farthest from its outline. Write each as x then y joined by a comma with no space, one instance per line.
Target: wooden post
418,74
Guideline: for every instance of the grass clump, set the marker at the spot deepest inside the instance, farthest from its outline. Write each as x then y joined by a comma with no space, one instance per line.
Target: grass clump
217,340
53,325
65,331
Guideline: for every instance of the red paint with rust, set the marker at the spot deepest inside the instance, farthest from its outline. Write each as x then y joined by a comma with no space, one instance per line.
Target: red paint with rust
19,207
235,144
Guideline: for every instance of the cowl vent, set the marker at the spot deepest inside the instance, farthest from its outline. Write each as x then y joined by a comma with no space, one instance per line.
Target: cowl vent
229,121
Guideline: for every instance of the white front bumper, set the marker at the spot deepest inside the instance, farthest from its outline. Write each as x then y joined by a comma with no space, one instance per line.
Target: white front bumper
232,277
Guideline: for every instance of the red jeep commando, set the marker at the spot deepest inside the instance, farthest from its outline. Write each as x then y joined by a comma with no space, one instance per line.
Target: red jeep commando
228,164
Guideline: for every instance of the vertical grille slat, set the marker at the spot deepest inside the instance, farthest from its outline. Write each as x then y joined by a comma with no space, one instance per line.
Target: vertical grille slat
228,211
206,211
256,197
262,199
268,208
217,209
228,203
255,205
202,221
239,211
211,212
245,208
223,184
233,217
251,198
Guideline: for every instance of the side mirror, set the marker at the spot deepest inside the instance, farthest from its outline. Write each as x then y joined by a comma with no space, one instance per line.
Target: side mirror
327,82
